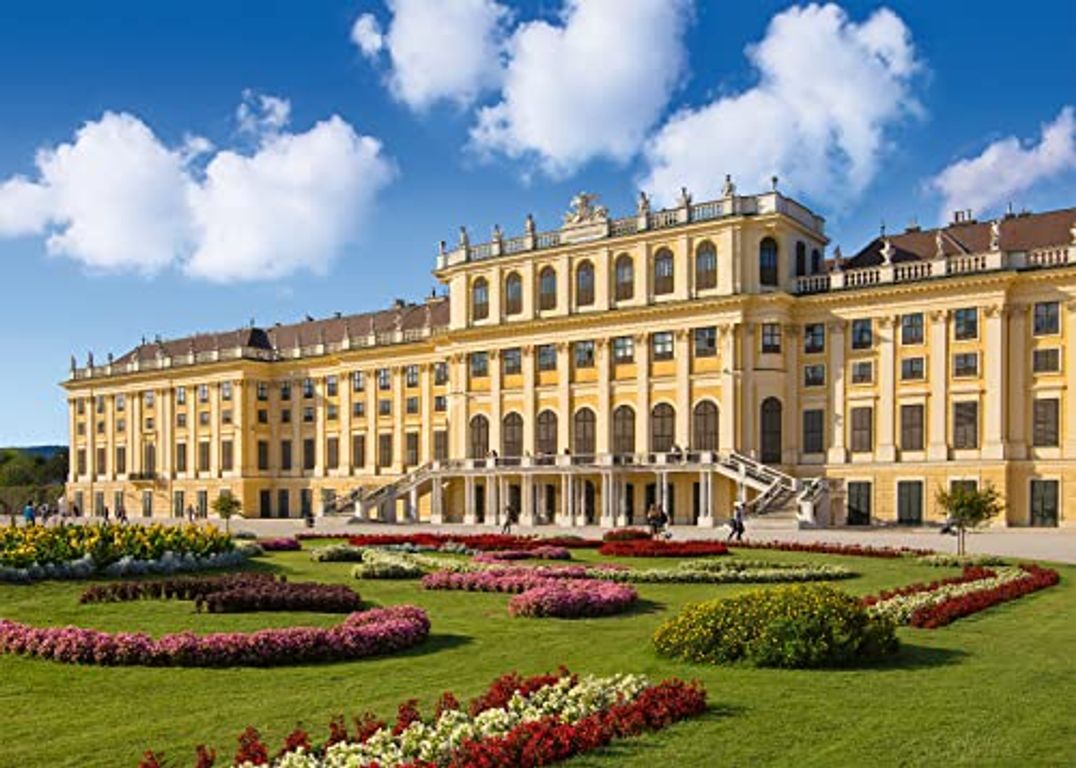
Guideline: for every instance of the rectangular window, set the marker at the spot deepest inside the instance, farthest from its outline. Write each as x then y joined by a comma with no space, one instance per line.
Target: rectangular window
263,391
384,407
263,415
911,328
912,369
147,399
411,405
308,414
203,456
332,412
384,379
121,402
512,361
285,390
263,455
771,338
966,425
584,354
358,381
623,349
384,450
80,461
813,431
910,502
332,385
1046,360
226,390
100,459
285,455
814,375
358,408
662,344
309,454
227,456
226,416
862,430
147,503
706,342
181,395
547,357
1045,433
203,418
358,450
814,338
966,364
479,365
859,503
440,445
332,453
862,372
862,333
181,457
121,460
181,420
411,376
911,427
440,403
1045,503
121,425
440,374
308,388
411,449
285,416
203,393
1047,318
80,406
99,404
966,324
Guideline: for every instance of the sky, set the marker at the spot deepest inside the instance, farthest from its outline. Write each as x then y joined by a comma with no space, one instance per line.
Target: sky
170,168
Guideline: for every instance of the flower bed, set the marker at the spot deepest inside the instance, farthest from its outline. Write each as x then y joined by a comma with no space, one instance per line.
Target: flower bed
831,548
959,561
367,633
800,625
538,553
377,564
957,607
627,534
482,542
337,553
281,544
517,723
168,564
724,571
648,548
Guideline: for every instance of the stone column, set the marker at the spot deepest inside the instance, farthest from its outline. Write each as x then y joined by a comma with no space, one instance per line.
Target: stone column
458,405
345,424
468,500
728,416
607,509
527,355
398,444
838,453
493,499
526,515
437,502
1019,363
425,439
564,397
937,434
642,393
320,418
371,423
994,365
682,353
748,401
214,431
790,451
495,401
603,420
886,449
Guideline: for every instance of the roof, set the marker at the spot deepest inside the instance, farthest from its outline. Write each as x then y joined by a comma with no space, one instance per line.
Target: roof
1021,232
431,314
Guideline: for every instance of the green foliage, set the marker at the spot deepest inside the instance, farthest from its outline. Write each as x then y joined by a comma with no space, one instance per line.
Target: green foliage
792,626
21,468
227,506
969,507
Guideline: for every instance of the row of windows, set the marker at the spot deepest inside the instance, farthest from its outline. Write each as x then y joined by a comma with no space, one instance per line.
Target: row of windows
1045,501
358,451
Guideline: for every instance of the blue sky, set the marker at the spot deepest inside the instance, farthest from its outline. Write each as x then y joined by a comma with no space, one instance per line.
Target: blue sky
471,112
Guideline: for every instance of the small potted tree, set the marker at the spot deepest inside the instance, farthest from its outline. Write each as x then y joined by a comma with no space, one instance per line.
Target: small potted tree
226,506
969,507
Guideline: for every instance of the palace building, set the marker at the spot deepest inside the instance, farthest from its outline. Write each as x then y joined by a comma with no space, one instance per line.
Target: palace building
683,358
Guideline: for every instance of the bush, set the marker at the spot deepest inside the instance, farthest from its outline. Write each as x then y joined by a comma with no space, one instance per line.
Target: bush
626,534
795,626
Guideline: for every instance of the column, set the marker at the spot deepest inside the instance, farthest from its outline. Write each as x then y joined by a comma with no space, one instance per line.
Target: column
468,500
748,405
495,401
564,399
526,515
603,421
412,505
371,422
728,417
1069,366
458,406
837,453
493,499
994,419
527,354
886,449
791,412
72,442
320,408
567,506
682,353
607,509
345,423
663,485
214,430
239,419
436,501
642,392
937,434
425,439
398,442
1019,361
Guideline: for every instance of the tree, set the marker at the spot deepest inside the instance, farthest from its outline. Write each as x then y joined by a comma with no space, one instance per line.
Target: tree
226,506
969,507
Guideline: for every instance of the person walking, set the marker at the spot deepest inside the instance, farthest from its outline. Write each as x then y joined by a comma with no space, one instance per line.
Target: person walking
190,513
653,520
736,524
506,529
28,513
106,513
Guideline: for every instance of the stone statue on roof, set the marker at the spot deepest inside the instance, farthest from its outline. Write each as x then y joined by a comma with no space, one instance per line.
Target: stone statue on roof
939,244
528,225
728,189
995,235
643,206
584,210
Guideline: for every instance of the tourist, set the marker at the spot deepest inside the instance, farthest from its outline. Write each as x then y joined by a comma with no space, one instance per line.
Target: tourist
190,513
121,513
736,523
653,520
28,513
506,529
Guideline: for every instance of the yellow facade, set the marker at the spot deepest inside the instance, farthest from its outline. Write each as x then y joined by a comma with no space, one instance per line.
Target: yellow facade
583,374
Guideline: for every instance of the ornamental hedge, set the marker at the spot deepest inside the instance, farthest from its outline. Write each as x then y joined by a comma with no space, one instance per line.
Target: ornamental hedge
794,626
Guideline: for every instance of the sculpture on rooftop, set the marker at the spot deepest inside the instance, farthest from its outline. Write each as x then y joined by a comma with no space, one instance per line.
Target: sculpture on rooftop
584,210
995,235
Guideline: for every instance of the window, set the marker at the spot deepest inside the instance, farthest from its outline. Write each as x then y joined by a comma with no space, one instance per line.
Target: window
511,361
203,393
440,403
662,428
814,375
440,445
308,454
203,456
546,434
547,288
583,431
285,390
966,485
358,408
203,418
771,439
910,502
411,405
623,430
480,299
226,416
966,364
332,385
80,404
440,374
100,462
911,369
966,425
262,390
911,427
862,430
121,402
227,455
1046,360
816,261
285,455
149,423
705,267
263,415
814,338
663,272
1045,506
512,435
99,404
181,420
859,503
513,294
662,344
911,328
584,284
332,453
226,390
704,427
801,259
121,425
181,457
623,349
767,262
479,364
813,430
862,336
547,357
1045,432
384,450
862,372
584,354
358,450
263,455
411,449
149,459
384,379
285,416
411,376
147,398
771,338
308,414
625,277
358,381
706,342
100,427
384,407
308,388
1047,318
147,503
966,324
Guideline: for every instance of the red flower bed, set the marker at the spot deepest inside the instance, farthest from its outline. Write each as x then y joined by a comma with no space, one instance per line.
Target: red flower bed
934,616
483,542
286,544
626,534
971,573
648,548
830,548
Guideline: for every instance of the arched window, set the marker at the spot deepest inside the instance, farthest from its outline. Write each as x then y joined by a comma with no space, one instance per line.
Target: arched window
663,272
512,435
547,288
771,431
584,285
816,261
583,428
479,444
705,267
662,428
625,277
513,294
624,430
546,435
704,428
480,299
767,262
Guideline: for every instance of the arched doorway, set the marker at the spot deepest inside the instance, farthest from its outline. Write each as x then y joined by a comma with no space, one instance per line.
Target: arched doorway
770,429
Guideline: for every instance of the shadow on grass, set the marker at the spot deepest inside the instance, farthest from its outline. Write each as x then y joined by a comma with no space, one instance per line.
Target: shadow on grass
912,656
652,742
643,607
436,643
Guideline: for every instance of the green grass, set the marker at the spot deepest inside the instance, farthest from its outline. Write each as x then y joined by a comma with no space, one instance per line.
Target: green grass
995,689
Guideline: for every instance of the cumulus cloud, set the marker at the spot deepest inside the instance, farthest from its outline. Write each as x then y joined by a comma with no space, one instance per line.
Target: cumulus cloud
1008,167
260,113
828,91
116,198
442,51
590,86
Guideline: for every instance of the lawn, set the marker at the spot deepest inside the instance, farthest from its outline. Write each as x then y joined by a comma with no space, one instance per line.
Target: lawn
992,689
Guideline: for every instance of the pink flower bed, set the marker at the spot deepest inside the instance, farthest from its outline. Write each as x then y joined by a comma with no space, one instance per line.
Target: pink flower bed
367,633
831,548
285,544
538,553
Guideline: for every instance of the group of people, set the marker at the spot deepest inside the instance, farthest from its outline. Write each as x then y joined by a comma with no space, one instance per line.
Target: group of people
44,512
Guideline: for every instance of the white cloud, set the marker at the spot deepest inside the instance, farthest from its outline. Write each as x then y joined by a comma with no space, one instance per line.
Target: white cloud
1008,167
447,50
589,87
828,91
260,113
116,198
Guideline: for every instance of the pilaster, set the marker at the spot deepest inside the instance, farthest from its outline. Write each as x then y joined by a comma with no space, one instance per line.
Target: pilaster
938,442
838,453
886,449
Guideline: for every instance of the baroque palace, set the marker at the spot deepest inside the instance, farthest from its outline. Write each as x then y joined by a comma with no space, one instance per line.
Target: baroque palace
684,358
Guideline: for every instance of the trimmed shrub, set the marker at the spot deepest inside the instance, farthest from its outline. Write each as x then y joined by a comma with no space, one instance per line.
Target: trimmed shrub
626,534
